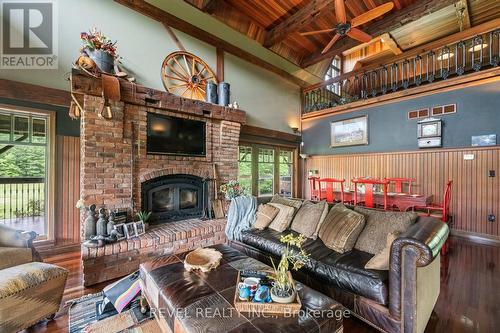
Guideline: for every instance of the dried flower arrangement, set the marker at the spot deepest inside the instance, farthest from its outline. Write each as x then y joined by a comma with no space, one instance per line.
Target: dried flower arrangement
95,40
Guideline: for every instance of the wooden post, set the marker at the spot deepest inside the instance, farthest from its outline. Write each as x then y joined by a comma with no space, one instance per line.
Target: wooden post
219,71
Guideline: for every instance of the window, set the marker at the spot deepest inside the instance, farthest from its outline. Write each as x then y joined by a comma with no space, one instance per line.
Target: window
24,166
333,71
245,169
265,170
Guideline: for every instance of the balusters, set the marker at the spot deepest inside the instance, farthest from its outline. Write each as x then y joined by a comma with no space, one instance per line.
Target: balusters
373,81
405,73
460,58
384,77
477,46
445,58
417,62
494,58
356,89
364,86
394,77
431,65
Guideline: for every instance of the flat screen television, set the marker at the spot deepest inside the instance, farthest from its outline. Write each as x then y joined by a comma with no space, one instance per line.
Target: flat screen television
175,136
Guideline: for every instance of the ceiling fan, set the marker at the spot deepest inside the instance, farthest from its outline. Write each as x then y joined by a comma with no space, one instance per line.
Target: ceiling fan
348,28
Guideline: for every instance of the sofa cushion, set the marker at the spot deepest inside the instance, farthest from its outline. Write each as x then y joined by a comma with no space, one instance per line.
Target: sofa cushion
308,218
285,215
378,225
381,260
265,215
278,199
345,271
341,228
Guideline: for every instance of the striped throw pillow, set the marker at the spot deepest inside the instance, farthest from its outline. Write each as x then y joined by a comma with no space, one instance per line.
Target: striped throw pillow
265,215
282,221
341,228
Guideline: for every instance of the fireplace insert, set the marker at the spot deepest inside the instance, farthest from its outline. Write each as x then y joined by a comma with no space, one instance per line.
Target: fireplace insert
174,197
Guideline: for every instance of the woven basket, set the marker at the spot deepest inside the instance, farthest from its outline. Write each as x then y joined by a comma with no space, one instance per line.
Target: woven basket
203,259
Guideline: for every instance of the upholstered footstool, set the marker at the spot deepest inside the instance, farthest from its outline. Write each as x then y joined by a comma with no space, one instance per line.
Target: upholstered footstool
29,293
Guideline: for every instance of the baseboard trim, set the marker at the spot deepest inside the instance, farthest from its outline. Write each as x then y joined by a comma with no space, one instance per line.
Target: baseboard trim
476,238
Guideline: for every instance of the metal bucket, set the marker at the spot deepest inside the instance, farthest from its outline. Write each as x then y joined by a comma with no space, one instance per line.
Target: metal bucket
104,61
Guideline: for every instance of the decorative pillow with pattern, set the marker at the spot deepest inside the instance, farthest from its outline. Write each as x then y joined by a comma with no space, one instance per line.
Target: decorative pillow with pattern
278,199
265,215
379,224
341,228
380,261
285,215
309,216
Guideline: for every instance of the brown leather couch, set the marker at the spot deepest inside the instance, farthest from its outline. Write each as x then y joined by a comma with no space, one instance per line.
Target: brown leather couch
394,301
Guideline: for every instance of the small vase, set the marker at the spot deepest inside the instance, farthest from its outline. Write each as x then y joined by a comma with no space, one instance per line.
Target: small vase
90,224
283,300
102,223
211,96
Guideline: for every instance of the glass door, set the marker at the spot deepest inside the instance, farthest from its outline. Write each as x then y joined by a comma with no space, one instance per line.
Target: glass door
23,171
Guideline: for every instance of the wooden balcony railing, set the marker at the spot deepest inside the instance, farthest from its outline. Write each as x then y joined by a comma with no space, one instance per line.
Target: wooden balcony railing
452,56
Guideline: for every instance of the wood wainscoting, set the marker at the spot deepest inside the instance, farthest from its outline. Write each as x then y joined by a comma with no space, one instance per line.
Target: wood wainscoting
67,216
475,195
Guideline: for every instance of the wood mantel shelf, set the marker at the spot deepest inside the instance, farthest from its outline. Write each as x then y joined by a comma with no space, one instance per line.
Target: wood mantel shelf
84,84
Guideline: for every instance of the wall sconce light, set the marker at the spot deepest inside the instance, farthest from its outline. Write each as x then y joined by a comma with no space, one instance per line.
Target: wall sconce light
295,129
303,156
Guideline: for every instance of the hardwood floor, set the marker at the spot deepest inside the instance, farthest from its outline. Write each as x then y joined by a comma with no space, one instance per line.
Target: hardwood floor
470,290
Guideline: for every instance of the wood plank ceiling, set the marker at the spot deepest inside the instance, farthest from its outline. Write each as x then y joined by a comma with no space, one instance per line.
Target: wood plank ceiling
276,23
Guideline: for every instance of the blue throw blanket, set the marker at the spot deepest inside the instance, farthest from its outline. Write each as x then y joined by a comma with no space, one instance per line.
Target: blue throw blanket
241,216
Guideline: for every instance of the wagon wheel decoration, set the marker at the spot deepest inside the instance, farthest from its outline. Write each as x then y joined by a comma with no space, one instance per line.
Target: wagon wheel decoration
186,75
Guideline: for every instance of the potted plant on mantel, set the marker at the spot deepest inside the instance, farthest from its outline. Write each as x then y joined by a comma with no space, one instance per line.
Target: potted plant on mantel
100,49
282,290
144,217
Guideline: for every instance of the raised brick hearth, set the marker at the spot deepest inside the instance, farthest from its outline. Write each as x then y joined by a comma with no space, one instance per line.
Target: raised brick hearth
122,258
114,163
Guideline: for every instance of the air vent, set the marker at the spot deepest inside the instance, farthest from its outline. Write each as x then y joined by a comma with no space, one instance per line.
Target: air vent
416,114
444,109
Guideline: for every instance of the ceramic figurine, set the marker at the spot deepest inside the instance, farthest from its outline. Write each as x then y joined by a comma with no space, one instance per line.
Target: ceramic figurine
262,295
111,223
101,223
244,293
90,224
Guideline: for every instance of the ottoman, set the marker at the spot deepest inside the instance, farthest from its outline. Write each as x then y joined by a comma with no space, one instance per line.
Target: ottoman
197,302
29,293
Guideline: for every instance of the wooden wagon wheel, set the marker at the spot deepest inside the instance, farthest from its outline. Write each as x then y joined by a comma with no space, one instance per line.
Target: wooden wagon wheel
186,75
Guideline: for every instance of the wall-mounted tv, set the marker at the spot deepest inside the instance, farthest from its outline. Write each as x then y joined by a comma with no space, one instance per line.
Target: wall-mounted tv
175,136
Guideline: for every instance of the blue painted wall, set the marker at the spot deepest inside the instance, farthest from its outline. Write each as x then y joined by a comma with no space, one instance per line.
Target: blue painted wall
389,130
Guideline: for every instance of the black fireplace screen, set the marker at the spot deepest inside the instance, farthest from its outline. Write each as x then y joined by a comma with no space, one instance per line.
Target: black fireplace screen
174,197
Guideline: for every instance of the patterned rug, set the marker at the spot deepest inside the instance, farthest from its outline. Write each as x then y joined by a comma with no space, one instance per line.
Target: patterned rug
84,318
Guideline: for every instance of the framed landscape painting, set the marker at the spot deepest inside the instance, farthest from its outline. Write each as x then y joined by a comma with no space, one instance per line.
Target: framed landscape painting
349,132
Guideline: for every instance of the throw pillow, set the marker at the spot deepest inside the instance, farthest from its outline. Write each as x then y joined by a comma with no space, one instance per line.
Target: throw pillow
381,260
282,221
378,225
308,217
278,199
265,215
341,228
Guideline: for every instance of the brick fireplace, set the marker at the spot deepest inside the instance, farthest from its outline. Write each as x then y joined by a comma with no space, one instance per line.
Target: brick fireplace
117,173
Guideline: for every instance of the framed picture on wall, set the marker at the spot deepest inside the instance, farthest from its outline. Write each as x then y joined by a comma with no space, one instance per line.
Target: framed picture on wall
349,132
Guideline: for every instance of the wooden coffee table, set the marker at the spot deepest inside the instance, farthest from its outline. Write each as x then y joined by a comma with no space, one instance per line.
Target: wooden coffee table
188,302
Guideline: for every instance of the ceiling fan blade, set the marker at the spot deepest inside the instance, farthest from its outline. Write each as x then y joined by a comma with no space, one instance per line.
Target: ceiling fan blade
330,44
372,14
360,35
308,33
340,11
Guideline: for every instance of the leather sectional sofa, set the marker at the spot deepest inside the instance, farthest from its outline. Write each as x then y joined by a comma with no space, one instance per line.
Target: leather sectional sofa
394,301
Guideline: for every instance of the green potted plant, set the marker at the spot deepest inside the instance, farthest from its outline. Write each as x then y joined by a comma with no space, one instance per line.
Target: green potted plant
282,287
144,217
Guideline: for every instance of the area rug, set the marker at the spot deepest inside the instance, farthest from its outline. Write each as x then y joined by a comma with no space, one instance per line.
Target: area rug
84,318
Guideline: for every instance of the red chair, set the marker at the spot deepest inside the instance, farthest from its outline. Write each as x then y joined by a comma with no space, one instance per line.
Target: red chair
399,182
315,189
329,193
369,200
442,209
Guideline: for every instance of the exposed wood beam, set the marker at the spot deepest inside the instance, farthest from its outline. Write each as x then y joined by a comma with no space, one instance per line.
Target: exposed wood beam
390,22
210,6
295,22
463,16
391,43
397,4
164,17
219,70
34,93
